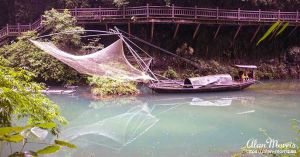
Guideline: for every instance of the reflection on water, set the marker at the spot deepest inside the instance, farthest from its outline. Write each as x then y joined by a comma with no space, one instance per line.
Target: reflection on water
211,124
115,132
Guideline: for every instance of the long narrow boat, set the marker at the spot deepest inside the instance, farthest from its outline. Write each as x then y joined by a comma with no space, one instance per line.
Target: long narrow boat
177,87
211,83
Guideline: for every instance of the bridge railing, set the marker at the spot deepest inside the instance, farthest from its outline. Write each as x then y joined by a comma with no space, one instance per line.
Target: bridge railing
162,13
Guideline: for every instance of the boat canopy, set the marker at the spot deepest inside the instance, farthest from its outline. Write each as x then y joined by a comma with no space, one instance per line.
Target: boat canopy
247,66
196,82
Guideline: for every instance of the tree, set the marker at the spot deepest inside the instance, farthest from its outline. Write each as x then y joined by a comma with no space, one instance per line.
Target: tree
120,3
21,99
60,23
76,3
23,54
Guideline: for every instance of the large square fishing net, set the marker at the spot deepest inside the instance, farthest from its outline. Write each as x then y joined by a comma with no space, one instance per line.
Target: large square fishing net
109,62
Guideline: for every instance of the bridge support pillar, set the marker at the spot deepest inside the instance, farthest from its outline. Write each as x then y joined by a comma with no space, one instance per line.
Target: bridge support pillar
129,29
217,32
176,31
237,32
292,31
152,30
196,31
254,35
235,35
106,26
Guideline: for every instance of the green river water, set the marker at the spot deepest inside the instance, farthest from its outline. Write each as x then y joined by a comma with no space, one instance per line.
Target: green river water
179,125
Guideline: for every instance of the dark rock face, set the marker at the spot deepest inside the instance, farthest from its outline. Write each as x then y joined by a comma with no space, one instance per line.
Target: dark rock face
293,55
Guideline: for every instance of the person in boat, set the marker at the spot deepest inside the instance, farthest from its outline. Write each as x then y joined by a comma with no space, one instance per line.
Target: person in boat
246,72
243,76
251,75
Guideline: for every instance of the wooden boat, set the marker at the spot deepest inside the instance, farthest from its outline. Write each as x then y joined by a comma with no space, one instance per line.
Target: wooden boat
58,91
211,83
176,87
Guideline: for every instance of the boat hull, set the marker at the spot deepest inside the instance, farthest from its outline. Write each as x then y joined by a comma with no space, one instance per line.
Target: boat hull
211,88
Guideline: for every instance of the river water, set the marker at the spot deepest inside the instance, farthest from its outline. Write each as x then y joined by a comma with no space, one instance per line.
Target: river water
180,125
160,125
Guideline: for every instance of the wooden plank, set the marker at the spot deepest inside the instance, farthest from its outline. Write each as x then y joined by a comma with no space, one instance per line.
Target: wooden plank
152,30
292,31
216,34
129,29
147,10
106,26
297,16
254,35
237,32
167,15
173,11
176,31
196,31
239,13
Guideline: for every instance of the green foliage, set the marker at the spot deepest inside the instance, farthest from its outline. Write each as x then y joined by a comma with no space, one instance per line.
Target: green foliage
170,73
120,3
21,134
93,45
63,22
64,143
185,50
272,29
103,86
282,28
25,55
76,3
167,2
49,149
20,98
189,74
46,125
269,31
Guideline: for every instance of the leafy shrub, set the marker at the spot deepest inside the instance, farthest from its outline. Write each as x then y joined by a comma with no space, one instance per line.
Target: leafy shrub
103,86
189,74
120,3
63,22
170,73
25,55
20,98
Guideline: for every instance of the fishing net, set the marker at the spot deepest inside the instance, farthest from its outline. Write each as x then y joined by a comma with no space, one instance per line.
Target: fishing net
109,62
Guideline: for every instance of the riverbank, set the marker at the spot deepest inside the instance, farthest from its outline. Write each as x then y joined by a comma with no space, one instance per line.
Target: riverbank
266,70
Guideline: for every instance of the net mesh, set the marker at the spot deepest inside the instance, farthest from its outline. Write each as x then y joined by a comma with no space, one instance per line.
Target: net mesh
109,62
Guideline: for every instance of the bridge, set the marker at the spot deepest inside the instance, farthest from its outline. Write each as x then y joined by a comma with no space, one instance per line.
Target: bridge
165,14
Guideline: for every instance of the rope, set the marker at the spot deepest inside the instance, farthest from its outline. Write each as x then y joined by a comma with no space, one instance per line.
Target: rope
137,57
73,31
95,35
161,49
137,46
